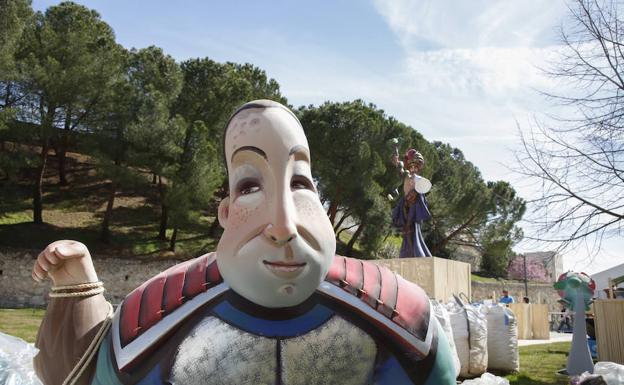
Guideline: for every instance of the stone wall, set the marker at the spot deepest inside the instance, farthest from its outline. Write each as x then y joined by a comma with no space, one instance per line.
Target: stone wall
120,276
542,291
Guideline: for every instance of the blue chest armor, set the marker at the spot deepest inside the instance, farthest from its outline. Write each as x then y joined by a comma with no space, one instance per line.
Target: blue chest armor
228,345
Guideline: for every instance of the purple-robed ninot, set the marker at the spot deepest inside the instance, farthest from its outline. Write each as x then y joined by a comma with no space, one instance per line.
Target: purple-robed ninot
410,219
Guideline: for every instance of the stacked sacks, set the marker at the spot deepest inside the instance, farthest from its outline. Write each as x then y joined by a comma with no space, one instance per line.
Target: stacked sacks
444,319
502,338
470,334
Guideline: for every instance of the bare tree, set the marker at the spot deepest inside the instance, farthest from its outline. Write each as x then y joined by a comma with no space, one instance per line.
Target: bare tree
577,158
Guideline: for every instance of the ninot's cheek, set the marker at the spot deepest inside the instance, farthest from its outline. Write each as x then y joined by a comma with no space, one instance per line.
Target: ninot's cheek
313,218
308,205
247,208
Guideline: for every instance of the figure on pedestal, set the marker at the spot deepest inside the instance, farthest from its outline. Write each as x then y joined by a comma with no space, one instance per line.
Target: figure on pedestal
273,305
576,291
412,210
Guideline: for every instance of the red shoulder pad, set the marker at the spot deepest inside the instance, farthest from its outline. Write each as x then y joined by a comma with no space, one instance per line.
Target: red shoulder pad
401,301
162,294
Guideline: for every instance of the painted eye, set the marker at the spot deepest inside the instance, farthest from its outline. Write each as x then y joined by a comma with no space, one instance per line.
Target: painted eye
300,182
247,187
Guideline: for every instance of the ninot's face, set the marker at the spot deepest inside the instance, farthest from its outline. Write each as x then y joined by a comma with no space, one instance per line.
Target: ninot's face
278,243
415,167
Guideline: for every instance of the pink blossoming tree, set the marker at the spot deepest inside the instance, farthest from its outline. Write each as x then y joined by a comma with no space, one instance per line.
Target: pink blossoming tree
535,269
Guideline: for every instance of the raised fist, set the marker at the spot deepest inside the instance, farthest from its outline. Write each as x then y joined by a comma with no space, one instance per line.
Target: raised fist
66,262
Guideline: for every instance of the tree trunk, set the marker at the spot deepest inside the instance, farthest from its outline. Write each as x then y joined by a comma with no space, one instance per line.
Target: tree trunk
38,190
342,219
214,227
344,229
221,193
154,178
435,249
333,210
356,235
61,155
162,230
386,236
7,96
61,151
47,119
164,213
174,236
105,234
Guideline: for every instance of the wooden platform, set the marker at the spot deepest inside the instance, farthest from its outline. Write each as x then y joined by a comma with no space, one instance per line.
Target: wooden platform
533,322
440,278
609,325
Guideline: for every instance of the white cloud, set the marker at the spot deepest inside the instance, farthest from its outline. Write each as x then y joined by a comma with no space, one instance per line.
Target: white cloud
471,71
472,24
498,74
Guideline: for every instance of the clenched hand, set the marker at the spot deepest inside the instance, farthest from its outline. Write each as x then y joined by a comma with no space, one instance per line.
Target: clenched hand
66,262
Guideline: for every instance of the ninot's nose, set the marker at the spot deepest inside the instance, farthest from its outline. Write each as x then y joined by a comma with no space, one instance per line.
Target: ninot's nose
282,228
280,234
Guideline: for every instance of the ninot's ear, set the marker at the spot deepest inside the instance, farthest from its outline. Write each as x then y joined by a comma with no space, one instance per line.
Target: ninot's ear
224,211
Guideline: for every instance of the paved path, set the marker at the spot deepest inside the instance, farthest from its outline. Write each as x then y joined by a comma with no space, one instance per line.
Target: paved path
554,337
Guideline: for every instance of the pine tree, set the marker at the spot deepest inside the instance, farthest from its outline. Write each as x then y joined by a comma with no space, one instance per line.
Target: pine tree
67,60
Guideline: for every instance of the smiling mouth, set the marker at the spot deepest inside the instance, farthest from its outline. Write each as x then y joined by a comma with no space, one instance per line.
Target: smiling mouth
286,270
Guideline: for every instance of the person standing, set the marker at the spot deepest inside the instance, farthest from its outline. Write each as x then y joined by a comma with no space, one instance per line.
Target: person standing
565,326
506,298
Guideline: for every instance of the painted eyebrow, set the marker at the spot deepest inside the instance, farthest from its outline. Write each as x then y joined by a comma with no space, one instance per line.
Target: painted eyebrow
300,153
249,148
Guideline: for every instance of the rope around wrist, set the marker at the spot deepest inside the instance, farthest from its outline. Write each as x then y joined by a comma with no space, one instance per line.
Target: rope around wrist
79,286
71,294
78,290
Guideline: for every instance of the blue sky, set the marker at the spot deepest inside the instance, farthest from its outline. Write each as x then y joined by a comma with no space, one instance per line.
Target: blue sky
464,72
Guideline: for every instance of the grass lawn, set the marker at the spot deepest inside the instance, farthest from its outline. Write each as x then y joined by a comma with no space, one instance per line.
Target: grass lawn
538,363
22,323
478,278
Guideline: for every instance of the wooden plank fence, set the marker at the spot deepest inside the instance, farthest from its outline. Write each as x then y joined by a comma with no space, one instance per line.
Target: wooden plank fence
533,321
609,325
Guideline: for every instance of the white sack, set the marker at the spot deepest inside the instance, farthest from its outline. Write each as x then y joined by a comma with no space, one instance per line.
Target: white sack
16,361
470,335
502,338
487,379
612,373
445,321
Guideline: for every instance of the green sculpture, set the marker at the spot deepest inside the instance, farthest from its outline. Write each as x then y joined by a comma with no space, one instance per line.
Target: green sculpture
577,290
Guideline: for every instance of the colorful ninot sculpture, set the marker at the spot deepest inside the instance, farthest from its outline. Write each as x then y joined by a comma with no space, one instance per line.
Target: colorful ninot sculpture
272,305
412,209
577,290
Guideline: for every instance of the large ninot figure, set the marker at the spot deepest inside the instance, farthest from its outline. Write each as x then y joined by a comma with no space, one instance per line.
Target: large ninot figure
273,305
